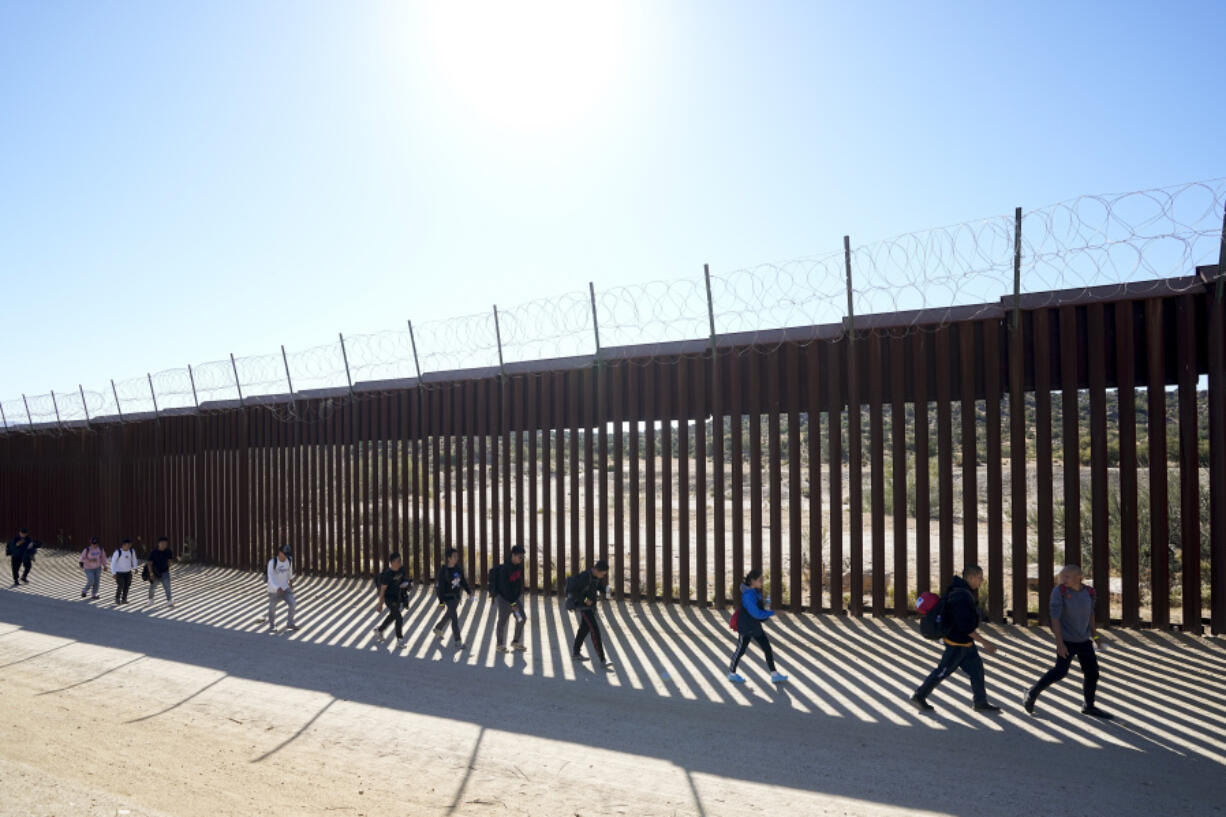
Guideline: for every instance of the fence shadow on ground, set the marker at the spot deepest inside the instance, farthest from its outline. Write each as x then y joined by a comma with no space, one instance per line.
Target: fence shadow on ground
846,701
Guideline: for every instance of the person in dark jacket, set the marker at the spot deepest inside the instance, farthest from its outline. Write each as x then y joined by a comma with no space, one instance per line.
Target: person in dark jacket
583,592
394,592
448,583
159,568
1072,623
962,608
751,614
20,551
508,592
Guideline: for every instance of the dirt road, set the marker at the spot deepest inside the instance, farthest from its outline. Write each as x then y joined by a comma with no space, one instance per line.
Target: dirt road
194,711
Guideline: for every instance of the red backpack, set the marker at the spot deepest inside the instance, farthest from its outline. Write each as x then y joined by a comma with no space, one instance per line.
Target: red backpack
734,622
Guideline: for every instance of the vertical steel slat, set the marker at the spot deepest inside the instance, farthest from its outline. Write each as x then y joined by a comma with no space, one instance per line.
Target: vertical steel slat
1159,531
774,447
701,499
650,403
795,377
754,363
1018,508
1125,374
1216,307
617,395
855,477
559,440
483,478
813,374
1044,482
736,430
683,381
923,461
993,365
634,377
1096,369
510,511
898,467
945,458
1070,441
1186,324
545,421
876,425
970,445
719,519
834,434
519,385
574,383
601,375
665,376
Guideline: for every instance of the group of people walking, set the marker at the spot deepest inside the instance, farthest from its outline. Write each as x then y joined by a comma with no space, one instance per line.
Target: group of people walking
123,563
957,611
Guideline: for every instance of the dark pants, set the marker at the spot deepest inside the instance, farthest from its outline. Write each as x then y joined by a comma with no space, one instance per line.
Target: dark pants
965,658
27,562
742,644
17,569
588,623
449,614
1084,651
505,614
123,581
393,614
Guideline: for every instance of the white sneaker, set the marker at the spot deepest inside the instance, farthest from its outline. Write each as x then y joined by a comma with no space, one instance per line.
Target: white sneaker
400,642
519,647
502,648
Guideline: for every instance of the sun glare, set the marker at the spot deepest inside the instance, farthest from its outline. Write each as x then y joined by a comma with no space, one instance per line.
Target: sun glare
526,68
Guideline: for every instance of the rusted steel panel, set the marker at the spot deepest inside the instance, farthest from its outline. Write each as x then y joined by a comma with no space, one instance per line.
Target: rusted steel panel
813,373
617,389
923,510
1096,369
601,377
682,378
794,377
834,360
945,457
771,362
1216,340
753,365
1018,508
634,379
573,404
531,385
736,429
1125,376
1044,483
650,398
1071,437
718,486
970,445
898,436
549,582
1159,526
876,426
1188,329
701,499
664,381
855,476
992,365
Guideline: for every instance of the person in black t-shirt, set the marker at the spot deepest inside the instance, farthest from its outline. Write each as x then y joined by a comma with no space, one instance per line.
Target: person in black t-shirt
394,592
448,584
159,568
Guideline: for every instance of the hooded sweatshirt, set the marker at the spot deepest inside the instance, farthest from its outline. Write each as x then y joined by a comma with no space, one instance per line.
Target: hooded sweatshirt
450,581
962,606
123,561
752,615
93,557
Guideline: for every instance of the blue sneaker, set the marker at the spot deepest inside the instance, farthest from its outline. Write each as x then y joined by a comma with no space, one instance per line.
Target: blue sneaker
778,677
736,678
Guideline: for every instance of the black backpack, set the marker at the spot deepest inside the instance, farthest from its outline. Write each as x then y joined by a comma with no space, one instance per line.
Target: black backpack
574,586
935,624
491,581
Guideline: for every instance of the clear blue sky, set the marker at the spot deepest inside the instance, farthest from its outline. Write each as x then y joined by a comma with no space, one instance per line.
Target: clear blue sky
182,180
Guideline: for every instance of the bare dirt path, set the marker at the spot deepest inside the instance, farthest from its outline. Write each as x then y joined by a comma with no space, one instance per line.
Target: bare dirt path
193,711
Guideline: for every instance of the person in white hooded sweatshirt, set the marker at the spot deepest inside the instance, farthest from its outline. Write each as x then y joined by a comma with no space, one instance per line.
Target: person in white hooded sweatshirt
280,588
123,566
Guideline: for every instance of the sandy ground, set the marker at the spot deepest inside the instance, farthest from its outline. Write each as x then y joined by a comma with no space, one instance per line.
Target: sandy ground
195,711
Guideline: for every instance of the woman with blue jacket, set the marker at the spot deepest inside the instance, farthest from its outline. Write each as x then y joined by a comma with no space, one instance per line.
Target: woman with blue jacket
750,615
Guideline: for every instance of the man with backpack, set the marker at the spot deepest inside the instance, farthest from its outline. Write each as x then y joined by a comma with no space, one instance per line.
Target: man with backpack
507,587
123,564
280,573
448,583
393,587
955,620
1072,623
583,592
20,551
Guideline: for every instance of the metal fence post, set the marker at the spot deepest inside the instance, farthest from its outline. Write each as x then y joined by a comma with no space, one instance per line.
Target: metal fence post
118,408
413,343
345,357
29,419
288,379
153,395
1017,268
84,407
498,337
4,418
237,384
591,287
851,313
56,406
192,377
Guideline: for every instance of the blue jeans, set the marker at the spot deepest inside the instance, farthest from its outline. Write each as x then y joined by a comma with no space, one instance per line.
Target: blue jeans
165,580
965,658
92,575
